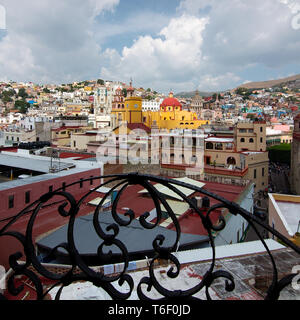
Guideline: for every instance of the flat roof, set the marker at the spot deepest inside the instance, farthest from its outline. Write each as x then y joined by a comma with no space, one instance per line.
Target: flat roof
43,177
291,214
248,263
288,209
87,240
224,140
27,163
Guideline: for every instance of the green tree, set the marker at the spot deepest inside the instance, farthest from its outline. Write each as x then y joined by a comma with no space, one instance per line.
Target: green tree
243,91
22,106
22,93
100,81
124,92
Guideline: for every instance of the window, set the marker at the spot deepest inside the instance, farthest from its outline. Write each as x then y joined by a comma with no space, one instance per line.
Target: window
219,146
27,196
193,159
209,146
91,181
64,186
251,140
261,129
229,146
261,140
263,172
11,201
81,183
231,161
242,139
254,174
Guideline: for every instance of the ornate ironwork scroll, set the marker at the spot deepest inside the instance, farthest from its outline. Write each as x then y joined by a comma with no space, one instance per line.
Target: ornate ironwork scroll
34,269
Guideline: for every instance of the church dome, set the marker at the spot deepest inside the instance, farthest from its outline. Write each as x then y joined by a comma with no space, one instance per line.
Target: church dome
171,102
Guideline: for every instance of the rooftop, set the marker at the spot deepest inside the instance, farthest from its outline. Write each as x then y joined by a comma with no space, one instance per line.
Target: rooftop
288,209
249,264
35,164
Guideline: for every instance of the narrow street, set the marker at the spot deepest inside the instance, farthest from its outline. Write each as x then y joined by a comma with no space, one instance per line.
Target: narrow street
278,183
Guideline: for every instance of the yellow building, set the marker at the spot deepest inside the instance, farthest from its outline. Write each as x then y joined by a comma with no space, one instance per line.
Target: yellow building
170,116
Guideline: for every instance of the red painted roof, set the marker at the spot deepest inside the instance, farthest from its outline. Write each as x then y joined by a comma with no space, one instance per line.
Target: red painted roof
65,155
49,219
189,222
66,127
133,126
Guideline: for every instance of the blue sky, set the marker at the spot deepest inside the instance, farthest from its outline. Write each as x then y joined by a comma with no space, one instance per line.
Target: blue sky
181,45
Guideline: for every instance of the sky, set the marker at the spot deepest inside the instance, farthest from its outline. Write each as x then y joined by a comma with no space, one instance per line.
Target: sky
178,45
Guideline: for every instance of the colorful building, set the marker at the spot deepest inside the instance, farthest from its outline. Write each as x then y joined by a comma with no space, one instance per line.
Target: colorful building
170,116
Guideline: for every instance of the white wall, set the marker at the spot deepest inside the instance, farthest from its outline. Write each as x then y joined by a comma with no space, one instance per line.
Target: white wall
235,223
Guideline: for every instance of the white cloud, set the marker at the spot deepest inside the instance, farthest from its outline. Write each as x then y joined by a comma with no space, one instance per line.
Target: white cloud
172,57
246,32
209,44
51,41
214,83
206,46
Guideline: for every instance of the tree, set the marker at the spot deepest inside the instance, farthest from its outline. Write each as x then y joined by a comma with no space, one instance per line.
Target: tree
100,81
22,106
242,91
124,92
22,93
46,90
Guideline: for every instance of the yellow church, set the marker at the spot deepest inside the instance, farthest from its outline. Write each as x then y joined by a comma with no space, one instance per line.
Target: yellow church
170,116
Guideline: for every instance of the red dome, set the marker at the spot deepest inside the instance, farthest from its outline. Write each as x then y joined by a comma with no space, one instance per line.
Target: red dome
171,102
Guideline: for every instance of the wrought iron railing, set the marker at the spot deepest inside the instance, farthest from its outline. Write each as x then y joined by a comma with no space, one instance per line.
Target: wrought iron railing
33,268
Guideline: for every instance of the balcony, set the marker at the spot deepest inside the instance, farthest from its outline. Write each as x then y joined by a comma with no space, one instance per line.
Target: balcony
210,272
225,171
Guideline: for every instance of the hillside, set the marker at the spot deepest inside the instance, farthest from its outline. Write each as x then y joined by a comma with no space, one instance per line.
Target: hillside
293,81
192,94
